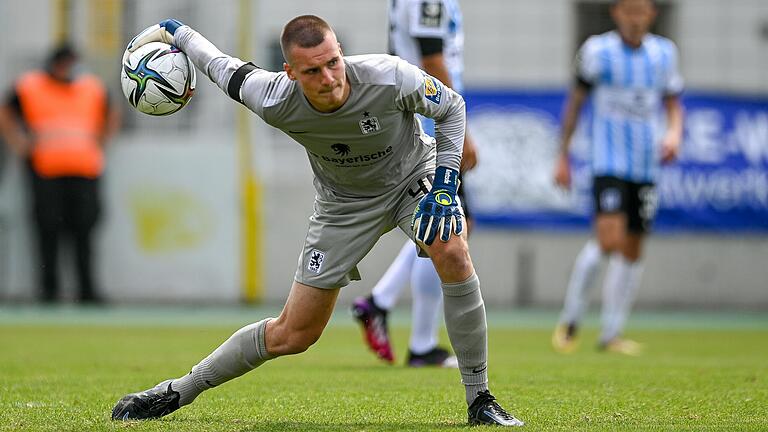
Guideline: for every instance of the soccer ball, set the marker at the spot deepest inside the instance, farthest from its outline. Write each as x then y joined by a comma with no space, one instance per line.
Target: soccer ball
158,79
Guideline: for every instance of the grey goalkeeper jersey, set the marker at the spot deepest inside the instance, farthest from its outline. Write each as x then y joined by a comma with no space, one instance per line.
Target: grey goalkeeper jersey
369,145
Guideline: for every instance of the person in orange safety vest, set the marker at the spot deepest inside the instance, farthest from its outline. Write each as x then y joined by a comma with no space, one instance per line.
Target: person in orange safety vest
58,120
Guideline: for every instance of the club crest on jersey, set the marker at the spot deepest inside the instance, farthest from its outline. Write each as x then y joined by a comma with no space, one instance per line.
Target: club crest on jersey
369,124
316,259
432,89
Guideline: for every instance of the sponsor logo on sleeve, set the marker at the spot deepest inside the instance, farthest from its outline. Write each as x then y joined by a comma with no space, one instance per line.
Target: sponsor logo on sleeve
432,89
316,259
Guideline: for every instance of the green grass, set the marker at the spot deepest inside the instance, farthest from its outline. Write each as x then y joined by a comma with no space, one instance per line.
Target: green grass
693,377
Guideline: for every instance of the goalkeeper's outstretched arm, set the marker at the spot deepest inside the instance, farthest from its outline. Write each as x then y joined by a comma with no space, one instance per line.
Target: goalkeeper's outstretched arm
221,68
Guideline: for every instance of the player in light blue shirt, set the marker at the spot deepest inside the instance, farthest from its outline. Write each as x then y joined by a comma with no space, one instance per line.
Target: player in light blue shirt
632,76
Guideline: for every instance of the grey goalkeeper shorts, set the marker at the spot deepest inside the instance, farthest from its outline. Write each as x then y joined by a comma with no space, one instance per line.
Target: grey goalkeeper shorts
342,231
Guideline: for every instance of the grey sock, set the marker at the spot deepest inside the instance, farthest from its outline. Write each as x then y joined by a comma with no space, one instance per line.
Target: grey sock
245,350
467,329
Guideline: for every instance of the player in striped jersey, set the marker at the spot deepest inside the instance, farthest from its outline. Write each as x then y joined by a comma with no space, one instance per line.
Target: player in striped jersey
427,33
632,76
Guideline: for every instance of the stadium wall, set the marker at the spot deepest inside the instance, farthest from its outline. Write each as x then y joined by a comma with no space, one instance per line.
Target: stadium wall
171,235
171,232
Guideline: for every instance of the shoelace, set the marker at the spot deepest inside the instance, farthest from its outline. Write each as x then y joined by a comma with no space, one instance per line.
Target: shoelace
490,400
161,405
153,399
501,412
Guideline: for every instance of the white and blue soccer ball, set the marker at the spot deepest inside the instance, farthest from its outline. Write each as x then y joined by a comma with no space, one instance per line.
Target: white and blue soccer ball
158,79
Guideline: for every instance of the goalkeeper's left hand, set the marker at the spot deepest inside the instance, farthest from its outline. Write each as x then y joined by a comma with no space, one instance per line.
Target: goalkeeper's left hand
439,211
162,32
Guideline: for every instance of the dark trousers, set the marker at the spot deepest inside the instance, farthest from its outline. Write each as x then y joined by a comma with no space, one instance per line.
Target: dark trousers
65,206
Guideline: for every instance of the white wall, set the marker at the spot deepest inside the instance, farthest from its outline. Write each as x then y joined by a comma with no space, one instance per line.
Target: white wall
683,270
518,43
172,234
169,232
510,43
723,45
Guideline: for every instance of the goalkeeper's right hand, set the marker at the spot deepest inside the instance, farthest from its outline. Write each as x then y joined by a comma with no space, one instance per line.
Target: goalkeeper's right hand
162,32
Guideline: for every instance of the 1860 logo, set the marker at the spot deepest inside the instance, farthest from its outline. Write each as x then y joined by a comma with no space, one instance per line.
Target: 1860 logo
316,259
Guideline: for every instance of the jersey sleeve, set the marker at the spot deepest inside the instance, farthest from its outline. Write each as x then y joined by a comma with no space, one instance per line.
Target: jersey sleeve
426,95
429,46
427,18
673,82
243,82
587,63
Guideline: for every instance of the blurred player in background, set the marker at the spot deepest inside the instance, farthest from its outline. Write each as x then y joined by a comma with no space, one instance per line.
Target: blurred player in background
355,116
632,75
59,120
427,33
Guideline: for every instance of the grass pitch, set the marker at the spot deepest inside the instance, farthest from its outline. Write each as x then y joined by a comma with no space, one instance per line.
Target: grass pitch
63,370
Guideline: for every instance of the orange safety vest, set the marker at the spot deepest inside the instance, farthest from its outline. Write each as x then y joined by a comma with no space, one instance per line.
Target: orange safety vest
66,121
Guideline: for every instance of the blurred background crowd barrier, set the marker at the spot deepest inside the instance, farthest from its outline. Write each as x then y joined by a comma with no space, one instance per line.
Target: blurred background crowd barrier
210,205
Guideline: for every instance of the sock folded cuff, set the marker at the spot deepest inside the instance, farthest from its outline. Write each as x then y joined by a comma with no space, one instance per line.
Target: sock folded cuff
472,390
260,335
459,289
474,379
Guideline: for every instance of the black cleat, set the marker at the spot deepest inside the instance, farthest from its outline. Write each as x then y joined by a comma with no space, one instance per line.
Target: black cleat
154,403
438,356
486,411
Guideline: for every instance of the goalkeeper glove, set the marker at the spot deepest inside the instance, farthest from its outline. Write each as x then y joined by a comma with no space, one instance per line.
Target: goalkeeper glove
439,211
162,32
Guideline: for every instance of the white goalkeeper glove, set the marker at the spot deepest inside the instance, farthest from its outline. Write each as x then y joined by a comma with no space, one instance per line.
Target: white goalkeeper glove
162,32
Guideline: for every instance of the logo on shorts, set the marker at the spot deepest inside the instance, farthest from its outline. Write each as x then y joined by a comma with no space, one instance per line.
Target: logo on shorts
369,124
341,149
649,205
610,200
316,259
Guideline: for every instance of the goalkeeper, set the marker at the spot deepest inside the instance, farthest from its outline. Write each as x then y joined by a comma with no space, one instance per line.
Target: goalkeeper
372,164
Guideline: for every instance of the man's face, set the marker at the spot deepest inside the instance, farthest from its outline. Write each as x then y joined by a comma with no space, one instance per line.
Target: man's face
320,72
64,69
634,18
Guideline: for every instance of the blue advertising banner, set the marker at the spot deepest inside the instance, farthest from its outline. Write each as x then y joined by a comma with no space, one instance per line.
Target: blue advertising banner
718,184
